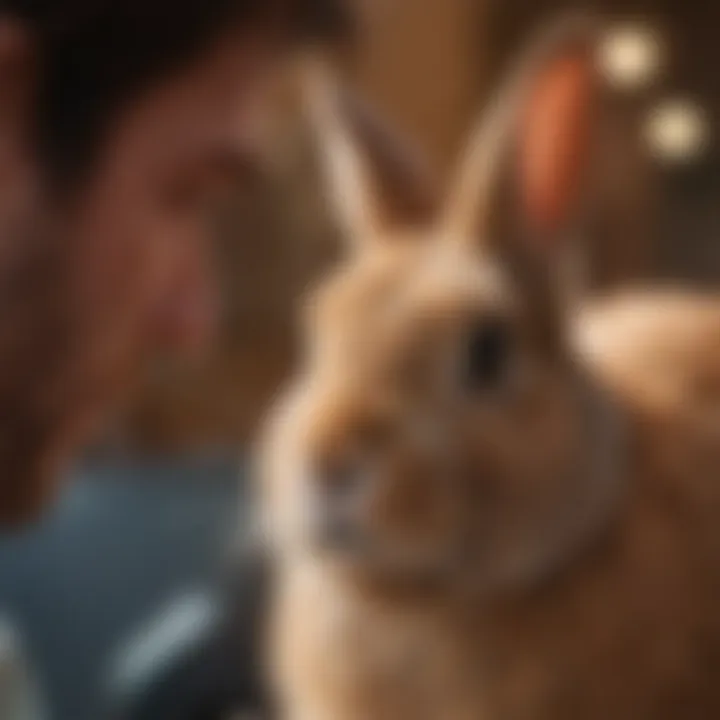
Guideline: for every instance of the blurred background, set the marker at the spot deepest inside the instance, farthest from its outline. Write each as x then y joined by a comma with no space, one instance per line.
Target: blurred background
144,533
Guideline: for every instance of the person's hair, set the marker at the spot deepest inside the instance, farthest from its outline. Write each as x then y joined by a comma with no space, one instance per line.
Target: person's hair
95,55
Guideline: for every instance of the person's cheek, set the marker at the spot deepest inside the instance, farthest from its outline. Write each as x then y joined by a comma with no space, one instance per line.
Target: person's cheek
186,307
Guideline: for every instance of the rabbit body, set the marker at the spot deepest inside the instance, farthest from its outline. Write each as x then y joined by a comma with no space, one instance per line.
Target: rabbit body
629,628
483,502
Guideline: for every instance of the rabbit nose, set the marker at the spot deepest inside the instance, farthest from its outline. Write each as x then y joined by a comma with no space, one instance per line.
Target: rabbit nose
342,485
341,478
338,531
346,461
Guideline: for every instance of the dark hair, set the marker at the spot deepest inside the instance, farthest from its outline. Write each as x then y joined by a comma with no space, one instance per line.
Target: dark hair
94,55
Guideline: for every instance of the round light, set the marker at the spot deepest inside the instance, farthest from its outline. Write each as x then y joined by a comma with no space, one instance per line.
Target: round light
631,56
677,131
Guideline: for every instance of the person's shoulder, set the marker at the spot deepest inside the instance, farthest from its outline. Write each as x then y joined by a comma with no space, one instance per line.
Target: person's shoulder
20,697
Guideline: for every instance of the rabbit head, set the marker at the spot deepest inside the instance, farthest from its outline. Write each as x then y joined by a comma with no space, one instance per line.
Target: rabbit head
440,426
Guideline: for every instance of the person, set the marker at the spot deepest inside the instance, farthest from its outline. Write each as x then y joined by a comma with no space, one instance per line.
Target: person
20,695
122,122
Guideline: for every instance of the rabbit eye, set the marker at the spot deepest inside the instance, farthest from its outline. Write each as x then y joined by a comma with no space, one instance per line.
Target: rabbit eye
487,354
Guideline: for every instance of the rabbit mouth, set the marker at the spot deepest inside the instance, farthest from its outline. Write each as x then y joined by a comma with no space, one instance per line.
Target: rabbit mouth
341,534
397,563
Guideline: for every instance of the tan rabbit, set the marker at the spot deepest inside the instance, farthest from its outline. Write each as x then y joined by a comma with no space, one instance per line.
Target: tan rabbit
473,517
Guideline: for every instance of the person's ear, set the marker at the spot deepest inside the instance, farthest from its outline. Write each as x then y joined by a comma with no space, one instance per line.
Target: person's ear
17,75
17,107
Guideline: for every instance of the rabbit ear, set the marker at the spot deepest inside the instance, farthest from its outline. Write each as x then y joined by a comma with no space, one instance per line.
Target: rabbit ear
538,128
554,142
372,177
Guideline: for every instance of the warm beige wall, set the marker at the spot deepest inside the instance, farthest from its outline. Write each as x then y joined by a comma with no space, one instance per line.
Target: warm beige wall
421,64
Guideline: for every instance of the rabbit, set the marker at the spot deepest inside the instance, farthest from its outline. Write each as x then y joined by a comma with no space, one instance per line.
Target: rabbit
472,515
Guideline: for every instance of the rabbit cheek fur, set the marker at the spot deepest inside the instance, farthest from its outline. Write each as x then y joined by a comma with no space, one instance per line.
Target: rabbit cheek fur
467,522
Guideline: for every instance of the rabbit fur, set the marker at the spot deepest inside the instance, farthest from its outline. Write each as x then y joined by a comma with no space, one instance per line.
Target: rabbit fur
487,496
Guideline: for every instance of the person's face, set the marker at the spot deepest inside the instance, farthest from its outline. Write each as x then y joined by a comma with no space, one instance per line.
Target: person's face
96,284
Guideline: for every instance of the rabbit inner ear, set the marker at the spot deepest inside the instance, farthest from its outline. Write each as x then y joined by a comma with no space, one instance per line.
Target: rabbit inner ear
405,191
539,127
348,180
554,142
